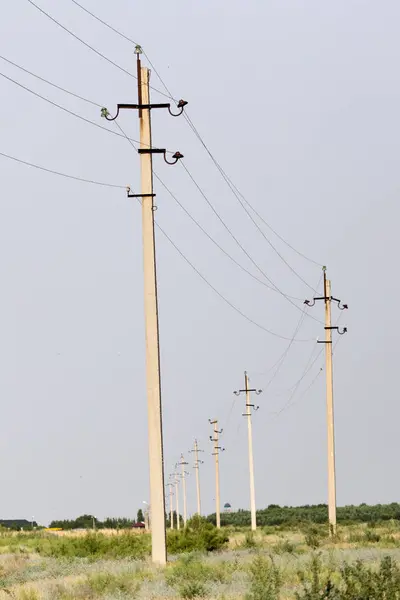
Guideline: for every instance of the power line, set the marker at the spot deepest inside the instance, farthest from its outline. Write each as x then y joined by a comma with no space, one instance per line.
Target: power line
231,185
236,194
249,319
105,23
288,298
167,189
234,189
109,60
289,405
82,179
128,39
50,82
280,362
70,112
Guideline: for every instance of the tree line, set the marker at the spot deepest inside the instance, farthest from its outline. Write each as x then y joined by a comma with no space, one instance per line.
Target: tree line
272,515
289,515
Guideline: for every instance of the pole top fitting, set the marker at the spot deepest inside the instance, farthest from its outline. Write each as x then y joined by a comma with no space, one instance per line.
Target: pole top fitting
138,49
324,268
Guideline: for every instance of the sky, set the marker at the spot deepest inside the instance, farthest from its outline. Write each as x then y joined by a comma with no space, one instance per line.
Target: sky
298,102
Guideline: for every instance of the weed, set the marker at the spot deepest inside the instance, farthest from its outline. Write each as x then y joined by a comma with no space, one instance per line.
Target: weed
265,580
198,535
284,547
192,589
317,589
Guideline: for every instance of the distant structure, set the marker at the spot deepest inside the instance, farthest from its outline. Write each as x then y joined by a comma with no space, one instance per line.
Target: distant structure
227,508
17,524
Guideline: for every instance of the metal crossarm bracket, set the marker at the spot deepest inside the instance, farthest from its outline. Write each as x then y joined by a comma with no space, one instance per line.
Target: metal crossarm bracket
181,105
344,330
139,195
339,303
177,156
323,342
312,303
152,151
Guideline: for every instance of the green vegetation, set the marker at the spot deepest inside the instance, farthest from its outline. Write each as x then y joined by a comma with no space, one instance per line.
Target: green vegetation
87,522
275,563
198,535
287,515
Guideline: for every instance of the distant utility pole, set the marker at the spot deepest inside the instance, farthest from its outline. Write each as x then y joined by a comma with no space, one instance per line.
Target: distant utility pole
196,466
328,299
217,448
146,151
175,480
183,474
247,414
171,504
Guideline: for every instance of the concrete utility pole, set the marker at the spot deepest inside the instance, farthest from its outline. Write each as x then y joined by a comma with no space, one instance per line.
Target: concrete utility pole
328,298
146,151
217,448
247,414
183,474
196,466
175,481
171,504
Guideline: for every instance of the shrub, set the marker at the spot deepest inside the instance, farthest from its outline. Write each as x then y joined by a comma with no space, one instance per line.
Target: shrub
284,547
316,589
265,580
249,541
371,536
189,576
192,589
198,535
361,582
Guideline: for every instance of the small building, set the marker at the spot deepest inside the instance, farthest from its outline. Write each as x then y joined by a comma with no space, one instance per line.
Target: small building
227,508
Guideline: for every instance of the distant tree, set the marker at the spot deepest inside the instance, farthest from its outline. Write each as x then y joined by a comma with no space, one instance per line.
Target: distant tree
140,516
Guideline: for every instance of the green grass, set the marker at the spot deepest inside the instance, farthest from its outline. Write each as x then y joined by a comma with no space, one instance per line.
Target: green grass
274,564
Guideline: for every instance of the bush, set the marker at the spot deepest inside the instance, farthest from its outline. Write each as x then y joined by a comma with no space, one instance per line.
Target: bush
284,547
198,535
361,582
265,580
190,576
316,589
94,545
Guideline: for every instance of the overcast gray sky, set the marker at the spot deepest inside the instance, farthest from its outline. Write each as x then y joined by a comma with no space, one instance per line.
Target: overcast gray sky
299,102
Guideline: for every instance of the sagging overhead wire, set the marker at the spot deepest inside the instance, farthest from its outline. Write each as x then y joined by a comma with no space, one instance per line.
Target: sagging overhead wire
204,231
281,360
189,121
58,87
228,302
291,403
210,285
109,60
128,39
59,173
239,195
277,289
59,106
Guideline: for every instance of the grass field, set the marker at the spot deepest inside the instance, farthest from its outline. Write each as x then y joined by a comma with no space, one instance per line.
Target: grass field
362,562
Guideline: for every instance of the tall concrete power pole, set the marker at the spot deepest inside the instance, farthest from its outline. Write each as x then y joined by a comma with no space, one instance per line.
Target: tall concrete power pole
182,475
196,466
217,449
146,151
328,299
247,391
171,504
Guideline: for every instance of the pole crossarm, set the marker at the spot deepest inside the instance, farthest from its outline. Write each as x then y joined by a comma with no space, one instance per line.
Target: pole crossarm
181,105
